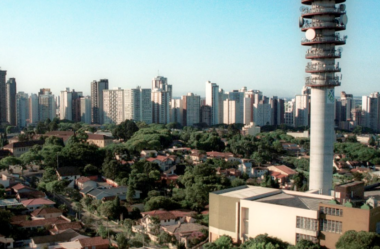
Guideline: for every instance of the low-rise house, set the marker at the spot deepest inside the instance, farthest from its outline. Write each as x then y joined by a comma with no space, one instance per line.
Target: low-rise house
6,242
46,223
250,129
9,203
45,213
281,173
99,140
292,149
184,231
83,182
148,153
68,173
22,196
33,204
19,148
166,218
219,155
64,135
59,228
21,188
52,240
232,172
197,157
164,162
259,171
7,180
87,243
101,193
180,149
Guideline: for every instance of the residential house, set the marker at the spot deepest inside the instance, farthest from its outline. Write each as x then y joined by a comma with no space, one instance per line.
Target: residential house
22,196
9,203
148,153
197,157
6,242
59,228
19,148
45,213
68,173
164,162
33,204
219,155
292,149
7,180
21,188
52,240
40,223
166,218
259,171
184,231
86,243
179,149
64,135
281,173
101,193
99,140
84,181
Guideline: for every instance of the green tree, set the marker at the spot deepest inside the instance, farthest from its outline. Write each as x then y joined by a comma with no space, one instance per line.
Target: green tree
305,244
5,221
125,130
358,240
131,189
223,242
237,182
8,161
122,242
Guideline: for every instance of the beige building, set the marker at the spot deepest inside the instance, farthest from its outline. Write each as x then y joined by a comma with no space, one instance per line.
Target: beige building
247,211
99,140
113,106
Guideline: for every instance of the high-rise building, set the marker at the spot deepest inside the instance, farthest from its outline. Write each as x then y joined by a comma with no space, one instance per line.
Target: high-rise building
212,100
255,96
138,105
22,109
113,106
97,88
33,108
343,109
191,105
221,98
277,110
3,103
302,109
238,97
230,111
371,111
160,106
85,109
46,105
206,114
160,82
176,111
11,100
69,107
262,113
289,112
323,19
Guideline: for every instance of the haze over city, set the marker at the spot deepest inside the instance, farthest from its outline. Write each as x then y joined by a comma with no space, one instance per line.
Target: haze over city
233,43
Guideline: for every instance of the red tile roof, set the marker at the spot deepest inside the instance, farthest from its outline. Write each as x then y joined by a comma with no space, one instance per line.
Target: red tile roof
42,211
167,215
38,201
95,241
41,222
160,158
285,169
219,154
64,226
83,179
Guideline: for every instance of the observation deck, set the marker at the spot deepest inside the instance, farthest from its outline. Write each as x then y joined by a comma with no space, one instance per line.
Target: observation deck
309,2
318,10
322,81
322,68
318,54
324,40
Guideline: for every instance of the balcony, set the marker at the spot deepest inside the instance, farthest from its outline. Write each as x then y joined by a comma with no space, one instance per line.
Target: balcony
322,25
319,10
322,68
321,81
325,40
321,53
309,2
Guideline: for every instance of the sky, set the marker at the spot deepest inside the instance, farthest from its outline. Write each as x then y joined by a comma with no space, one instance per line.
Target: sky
234,43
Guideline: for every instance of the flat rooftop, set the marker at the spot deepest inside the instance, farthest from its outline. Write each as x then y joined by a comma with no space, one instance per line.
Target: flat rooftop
248,192
296,201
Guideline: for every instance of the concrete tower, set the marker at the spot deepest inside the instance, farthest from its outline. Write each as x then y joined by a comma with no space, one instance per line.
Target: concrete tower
320,21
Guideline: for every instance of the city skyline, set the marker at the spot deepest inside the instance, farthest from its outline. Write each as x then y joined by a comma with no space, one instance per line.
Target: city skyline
229,43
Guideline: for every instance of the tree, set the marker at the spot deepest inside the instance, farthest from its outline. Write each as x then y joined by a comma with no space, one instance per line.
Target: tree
131,189
122,242
237,182
102,231
164,238
8,161
372,141
5,221
55,187
77,206
223,242
305,244
125,130
158,202
357,240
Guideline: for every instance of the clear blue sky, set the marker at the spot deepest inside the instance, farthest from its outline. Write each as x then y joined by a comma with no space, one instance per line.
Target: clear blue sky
235,43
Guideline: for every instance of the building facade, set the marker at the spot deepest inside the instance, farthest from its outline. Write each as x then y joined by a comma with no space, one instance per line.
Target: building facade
11,89
46,105
22,109
113,106
3,103
138,105
97,87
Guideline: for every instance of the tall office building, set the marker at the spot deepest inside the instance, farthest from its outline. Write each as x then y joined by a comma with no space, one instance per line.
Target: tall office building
212,100
97,88
191,105
22,109
85,109
113,106
3,103
33,108
323,19
138,105
160,106
46,105
371,111
11,100
69,107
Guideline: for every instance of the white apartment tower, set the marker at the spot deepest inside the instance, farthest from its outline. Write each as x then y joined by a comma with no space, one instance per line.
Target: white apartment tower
85,109
33,108
160,106
191,105
22,109
138,105
176,111
371,111
212,99
46,105
229,108
113,106
262,113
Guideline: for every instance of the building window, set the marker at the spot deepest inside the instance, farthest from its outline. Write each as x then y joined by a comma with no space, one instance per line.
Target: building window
331,226
331,211
306,237
307,223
